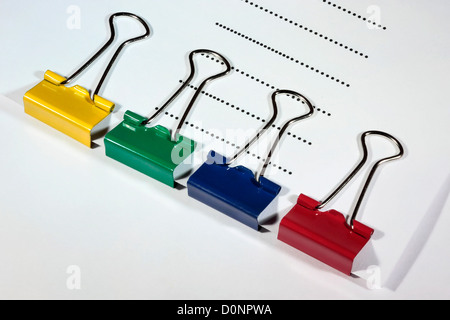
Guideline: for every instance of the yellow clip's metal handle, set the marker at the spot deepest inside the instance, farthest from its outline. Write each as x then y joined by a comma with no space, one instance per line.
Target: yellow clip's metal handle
72,110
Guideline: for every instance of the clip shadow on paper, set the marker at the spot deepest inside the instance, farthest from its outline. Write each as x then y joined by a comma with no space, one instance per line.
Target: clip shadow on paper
237,191
326,235
71,110
155,151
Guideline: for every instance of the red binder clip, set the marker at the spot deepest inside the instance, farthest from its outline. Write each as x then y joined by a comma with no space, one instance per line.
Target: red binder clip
327,236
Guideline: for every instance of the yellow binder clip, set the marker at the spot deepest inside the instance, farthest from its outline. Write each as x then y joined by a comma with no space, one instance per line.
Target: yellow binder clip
71,110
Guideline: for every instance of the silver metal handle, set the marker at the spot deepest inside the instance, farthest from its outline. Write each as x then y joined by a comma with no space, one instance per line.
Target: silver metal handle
106,46
186,83
359,167
261,173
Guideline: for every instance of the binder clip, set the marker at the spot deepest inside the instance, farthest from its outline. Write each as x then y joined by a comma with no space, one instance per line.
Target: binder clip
71,110
237,191
326,235
155,151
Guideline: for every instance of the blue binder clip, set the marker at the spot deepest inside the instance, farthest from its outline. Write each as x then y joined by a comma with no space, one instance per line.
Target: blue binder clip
237,191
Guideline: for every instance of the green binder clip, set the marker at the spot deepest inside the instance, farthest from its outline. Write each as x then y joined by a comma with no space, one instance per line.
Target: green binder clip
156,151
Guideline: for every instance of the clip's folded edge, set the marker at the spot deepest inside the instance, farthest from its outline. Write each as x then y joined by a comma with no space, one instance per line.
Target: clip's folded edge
214,179
40,103
315,232
146,149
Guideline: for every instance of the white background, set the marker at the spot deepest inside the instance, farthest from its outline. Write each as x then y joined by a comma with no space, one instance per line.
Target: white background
62,204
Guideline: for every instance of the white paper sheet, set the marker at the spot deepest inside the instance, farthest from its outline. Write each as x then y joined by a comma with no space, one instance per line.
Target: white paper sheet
359,76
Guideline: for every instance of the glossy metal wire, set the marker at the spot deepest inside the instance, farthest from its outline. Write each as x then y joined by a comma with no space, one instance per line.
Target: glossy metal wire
269,123
359,167
106,46
186,83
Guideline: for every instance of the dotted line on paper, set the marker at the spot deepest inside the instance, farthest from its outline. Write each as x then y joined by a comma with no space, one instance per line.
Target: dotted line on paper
243,73
239,71
265,83
303,64
229,104
243,111
354,14
297,24
204,131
